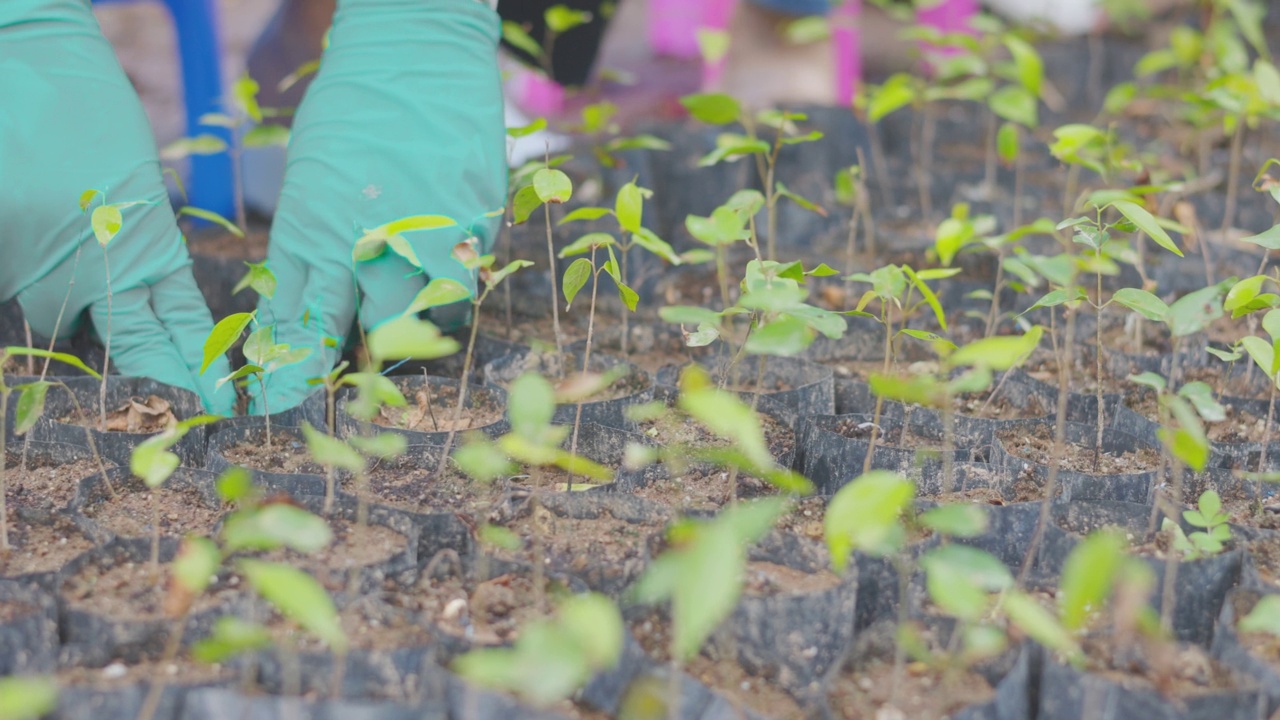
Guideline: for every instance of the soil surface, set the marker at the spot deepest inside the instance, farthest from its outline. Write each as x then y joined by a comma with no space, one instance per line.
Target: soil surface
433,408
41,546
924,693
131,512
134,591
1037,445
115,675
44,487
605,543
766,578
287,454
675,428
487,612
354,546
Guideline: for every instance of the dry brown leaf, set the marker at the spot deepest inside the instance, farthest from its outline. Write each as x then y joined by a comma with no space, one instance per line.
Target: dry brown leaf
142,416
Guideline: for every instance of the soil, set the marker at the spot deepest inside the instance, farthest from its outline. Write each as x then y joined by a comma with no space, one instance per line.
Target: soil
1084,378
1000,407
213,242
370,623
806,519
1173,670
1237,384
1265,554
405,483
674,428
1240,427
354,546
288,454
134,591
1037,446
150,415
130,512
11,610
702,488
925,693
766,578
555,370
897,436
41,546
119,675
725,675
488,612
432,409
574,545
44,487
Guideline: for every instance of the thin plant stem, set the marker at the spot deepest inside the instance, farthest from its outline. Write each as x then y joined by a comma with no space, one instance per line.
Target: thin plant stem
989,168
1266,440
93,444
875,418
555,289
156,686
994,312
1059,447
948,443
266,411
1233,181
463,382
106,356
4,489
1097,362
626,319
1017,185
1168,593
586,361
903,569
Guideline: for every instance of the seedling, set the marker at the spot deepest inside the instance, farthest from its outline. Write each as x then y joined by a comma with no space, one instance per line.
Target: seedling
548,186
721,109
701,575
1265,355
353,455
552,658
154,463
263,356
559,19
1213,524
628,210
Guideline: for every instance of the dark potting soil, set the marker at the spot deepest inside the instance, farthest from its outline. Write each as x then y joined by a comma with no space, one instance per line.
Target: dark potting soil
766,578
369,624
574,544
131,511
675,428
1037,446
432,409
354,546
489,612
1084,377
895,436
702,489
140,415
723,674
1175,670
133,591
406,484
925,693
44,486
215,243
287,454
41,546
1265,554
118,674
805,518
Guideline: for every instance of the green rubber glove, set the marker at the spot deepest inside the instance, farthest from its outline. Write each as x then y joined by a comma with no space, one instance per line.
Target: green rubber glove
71,122
404,118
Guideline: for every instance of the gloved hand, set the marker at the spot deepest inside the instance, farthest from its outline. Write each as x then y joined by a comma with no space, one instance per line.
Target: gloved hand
404,118
70,121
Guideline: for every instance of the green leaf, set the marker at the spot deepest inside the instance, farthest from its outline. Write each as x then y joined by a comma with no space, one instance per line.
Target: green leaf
385,445
243,371
1088,575
27,697
629,207
999,352
586,243
1263,354
183,147
1149,379
784,337
1195,311
731,146
865,515
807,29
299,597
689,315
896,93
1008,143
1269,239
712,108
963,520
260,347
724,414
530,405
408,337
30,408
1146,222
260,278
646,239
1263,618
958,579
1027,62
1015,104
196,563
1027,614
274,526
234,484
585,213
929,297
515,35
523,203
230,637
1201,396
262,136
152,462
331,451
780,190
439,292
1142,302
482,461
223,336
575,278
106,221
245,93
1243,293
561,18
552,186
